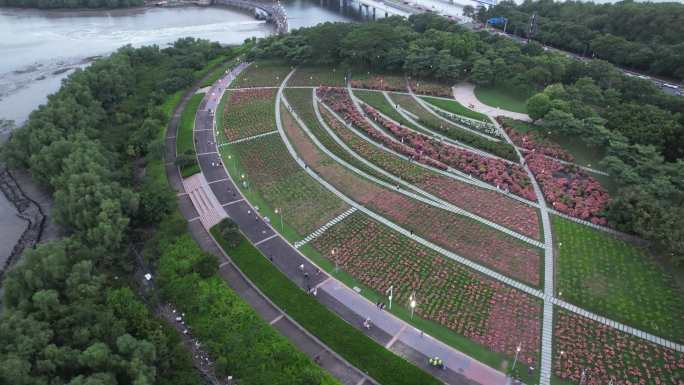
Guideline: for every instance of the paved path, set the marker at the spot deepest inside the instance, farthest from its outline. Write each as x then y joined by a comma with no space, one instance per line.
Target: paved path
464,93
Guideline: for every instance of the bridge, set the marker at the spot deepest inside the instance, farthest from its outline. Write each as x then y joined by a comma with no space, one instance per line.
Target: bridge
272,13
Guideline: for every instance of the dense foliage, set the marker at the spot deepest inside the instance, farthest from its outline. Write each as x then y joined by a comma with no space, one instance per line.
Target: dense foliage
606,31
636,124
96,145
244,345
71,3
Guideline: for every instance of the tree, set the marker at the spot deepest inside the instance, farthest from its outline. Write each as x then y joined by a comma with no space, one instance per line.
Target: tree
538,106
482,72
468,11
230,232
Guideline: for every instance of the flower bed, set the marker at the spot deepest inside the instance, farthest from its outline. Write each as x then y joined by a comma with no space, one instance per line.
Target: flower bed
317,76
427,87
488,204
281,183
609,355
301,101
249,112
457,233
262,74
532,141
428,151
485,311
568,189
485,128
500,148
379,82
339,101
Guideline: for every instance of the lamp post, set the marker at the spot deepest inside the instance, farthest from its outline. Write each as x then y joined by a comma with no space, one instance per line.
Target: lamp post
391,291
413,303
332,253
244,181
562,353
515,361
280,211
583,376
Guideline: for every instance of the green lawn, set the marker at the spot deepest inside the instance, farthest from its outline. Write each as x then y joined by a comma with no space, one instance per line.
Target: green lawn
344,339
497,97
378,101
617,279
184,136
318,76
456,108
262,74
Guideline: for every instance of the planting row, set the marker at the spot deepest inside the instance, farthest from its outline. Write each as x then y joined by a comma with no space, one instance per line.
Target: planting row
301,101
379,82
485,311
248,112
485,203
501,149
339,101
617,279
317,76
606,355
533,141
270,170
498,173
569,189
456,108
462,235
262,74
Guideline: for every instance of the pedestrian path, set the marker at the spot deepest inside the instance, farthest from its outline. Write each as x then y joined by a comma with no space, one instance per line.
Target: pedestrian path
249,138
324,228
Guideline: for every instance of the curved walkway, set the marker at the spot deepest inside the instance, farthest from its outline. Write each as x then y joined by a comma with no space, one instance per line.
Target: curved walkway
465,94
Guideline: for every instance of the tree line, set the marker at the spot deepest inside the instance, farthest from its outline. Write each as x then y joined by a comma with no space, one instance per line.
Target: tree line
53,4
68,313
644,36
639,127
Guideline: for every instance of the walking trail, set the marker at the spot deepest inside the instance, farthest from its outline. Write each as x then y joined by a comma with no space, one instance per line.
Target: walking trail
465,94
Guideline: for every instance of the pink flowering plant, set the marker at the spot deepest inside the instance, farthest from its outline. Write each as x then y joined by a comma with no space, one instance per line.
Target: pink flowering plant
483,310
609,355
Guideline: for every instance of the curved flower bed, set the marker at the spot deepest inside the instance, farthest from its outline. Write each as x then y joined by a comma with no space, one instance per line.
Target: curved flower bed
249,112
426,87
608,355
483,310
505,176
569,189
486,203
532,142
381,82
339,101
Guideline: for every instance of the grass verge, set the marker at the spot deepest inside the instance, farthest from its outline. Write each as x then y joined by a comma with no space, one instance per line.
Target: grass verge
497,97
184,142
350,343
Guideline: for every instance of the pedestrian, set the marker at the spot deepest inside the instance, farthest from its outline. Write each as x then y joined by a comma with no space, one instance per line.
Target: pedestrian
530,370
301,267
317,359
306,275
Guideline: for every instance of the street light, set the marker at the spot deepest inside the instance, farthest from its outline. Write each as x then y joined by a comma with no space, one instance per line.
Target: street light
413,303
583,376
332,253
391,291
280,211
515,361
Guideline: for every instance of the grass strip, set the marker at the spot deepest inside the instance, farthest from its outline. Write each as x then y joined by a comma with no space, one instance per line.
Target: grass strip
347,341
184,143
456,108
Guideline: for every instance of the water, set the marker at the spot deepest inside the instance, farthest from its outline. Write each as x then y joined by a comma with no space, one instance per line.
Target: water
39,48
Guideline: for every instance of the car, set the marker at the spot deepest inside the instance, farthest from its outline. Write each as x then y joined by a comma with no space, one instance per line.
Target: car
673,86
